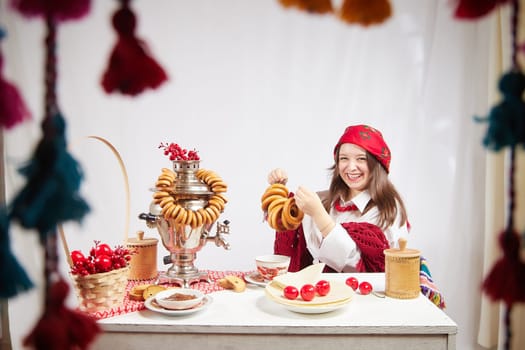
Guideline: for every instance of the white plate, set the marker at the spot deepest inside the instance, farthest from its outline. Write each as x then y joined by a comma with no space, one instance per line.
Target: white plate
315,309
339,293
254,278
150,304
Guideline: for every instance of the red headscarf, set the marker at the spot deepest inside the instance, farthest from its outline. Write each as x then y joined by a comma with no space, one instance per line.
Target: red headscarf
368,138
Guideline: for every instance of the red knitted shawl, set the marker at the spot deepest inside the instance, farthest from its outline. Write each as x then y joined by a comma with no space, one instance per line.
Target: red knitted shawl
369,238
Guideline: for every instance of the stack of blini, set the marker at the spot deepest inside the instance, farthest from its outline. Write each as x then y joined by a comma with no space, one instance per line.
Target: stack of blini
281,211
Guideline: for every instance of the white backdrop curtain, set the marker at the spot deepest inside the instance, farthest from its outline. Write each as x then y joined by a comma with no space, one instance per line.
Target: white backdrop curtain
254,86
492,325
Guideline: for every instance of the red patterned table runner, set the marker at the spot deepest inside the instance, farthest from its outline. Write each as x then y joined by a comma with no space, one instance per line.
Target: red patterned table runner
132,305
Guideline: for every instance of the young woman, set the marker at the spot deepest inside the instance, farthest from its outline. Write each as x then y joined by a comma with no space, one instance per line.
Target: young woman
349,225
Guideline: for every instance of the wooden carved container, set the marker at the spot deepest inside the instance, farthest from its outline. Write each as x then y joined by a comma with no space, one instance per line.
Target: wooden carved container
402,272
143,264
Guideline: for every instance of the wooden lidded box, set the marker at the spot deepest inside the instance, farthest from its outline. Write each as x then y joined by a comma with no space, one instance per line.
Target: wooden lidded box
143,264
402,272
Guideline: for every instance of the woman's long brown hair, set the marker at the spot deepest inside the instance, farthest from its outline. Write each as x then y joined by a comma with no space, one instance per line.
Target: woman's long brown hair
383,193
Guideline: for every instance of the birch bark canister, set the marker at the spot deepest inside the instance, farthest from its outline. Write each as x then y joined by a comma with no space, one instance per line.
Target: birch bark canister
143,264
402,272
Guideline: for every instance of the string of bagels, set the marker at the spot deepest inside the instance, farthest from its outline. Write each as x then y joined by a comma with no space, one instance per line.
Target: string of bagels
171,210
281,211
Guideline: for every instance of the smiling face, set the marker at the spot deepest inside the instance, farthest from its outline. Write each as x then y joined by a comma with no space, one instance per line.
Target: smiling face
352,165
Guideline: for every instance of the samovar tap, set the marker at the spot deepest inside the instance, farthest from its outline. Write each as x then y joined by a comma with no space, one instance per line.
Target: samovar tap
219,239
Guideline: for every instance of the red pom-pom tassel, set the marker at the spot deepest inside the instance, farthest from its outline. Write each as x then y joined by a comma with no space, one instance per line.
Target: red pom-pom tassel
131,69
365,12
57,9
473,9
60,328
506,280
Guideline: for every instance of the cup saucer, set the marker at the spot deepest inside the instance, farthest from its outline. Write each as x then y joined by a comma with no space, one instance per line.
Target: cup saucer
256,279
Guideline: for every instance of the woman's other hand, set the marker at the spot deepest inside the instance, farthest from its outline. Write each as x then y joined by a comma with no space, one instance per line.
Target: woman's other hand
310,203
277,176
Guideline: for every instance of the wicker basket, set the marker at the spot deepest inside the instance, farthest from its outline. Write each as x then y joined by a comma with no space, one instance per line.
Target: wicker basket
101,291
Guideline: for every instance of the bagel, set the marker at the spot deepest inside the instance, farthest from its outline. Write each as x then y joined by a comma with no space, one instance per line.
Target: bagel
181,217
167,210
269,200
177,214
166,200
163,183
206,219
216,203
281,211
221,196
160,194
274,217
213,213
279,185
276,203
198,218
291,216
189,217
272,190
219,189
175,211
166,177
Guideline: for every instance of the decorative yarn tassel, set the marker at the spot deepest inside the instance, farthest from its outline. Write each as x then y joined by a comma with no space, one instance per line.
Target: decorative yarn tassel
427,285
473,9
312,6
50,195
506,280
13,278
365,12
131,69
12,107
507,119
60,328
60,10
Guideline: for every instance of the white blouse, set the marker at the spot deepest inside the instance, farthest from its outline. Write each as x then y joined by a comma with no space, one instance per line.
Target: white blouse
338,250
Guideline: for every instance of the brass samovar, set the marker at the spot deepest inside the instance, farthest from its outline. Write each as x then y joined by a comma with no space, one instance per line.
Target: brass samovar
183,240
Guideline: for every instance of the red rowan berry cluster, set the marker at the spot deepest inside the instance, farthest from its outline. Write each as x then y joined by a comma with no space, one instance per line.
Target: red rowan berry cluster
176,152
101,258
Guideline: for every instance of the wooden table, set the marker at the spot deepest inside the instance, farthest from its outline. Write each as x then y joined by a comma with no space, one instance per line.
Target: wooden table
249,320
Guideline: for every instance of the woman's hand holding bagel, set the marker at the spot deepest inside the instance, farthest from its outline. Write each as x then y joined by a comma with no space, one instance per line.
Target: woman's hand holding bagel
282,211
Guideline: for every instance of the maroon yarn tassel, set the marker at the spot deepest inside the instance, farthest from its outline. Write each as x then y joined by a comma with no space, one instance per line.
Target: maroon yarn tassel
60,328
13,109
473,9
131,68
506,280
60,10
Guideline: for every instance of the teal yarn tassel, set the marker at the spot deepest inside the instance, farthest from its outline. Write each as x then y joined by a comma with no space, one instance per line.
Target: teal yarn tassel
507,119
50,195
13,278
